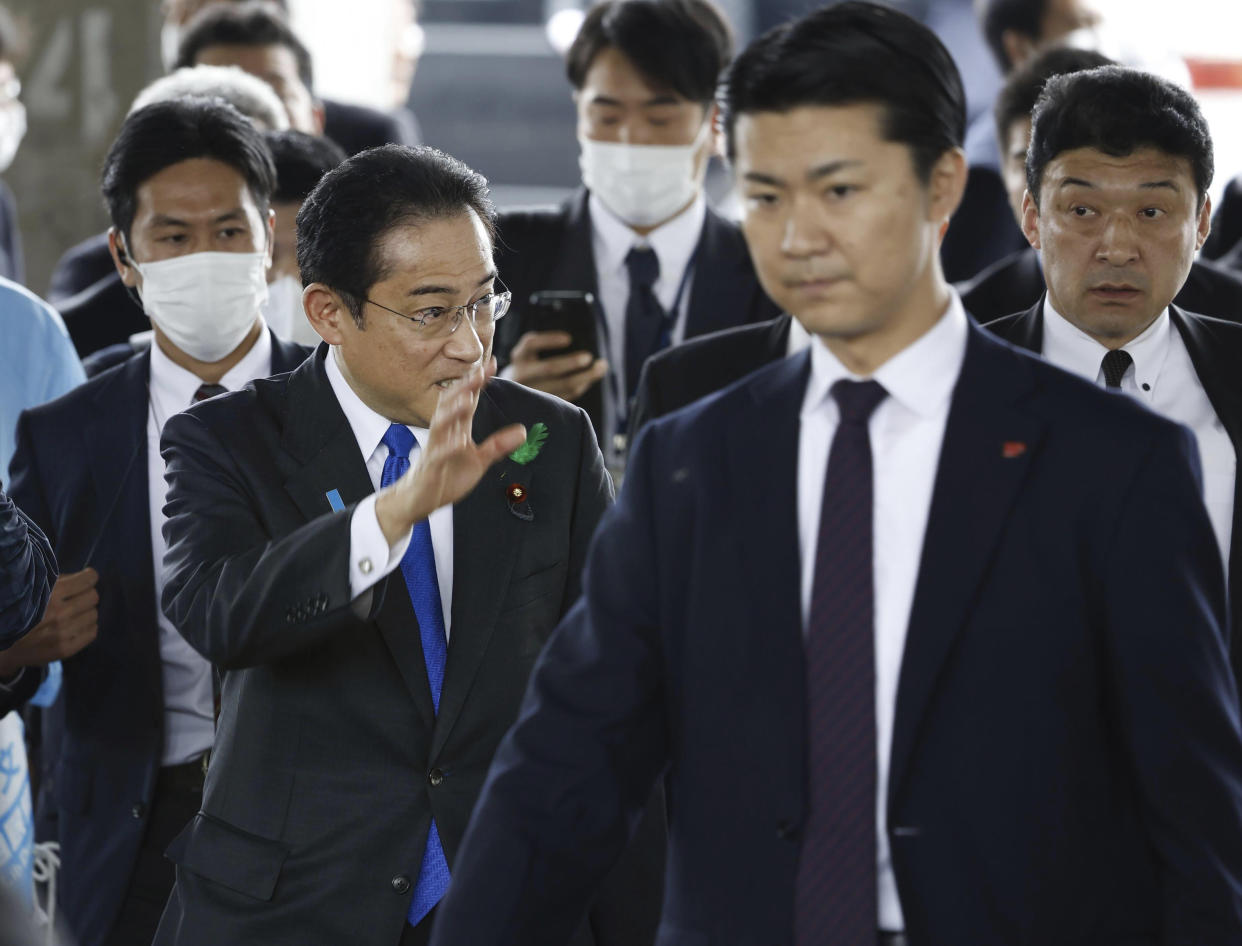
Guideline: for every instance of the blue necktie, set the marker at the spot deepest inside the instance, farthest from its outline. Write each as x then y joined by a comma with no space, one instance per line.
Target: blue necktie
835,898
418,567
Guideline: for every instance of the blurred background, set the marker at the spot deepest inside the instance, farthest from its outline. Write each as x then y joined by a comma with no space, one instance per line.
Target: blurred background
485,80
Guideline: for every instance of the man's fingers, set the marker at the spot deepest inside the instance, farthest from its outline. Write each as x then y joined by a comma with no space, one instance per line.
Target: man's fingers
73,583
502,442
532,343
86,602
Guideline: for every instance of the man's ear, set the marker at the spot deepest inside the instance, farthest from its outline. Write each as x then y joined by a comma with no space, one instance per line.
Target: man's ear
327,313
271,236
319,116
717,132
946,184
120,259
1030,219
1018,47
1205,222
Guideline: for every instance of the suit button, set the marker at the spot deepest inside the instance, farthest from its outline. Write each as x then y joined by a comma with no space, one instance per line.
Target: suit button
786,831
436,777
138,811
401,884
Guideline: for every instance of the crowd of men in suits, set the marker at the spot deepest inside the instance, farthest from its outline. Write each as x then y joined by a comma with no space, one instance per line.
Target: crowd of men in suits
896,631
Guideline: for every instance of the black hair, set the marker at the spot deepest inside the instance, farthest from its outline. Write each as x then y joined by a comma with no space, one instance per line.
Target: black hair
1021,91
1021,16
680,45
1118,110
855,53
167,133
301,160
342,224
253,23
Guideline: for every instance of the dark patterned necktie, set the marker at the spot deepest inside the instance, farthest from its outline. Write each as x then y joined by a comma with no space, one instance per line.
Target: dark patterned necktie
1115,365
206,391
836,886
644,316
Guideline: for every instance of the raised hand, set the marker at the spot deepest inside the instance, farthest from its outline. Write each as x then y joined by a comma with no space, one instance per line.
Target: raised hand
451,463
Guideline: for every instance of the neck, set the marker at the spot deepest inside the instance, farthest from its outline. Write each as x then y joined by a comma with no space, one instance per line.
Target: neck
643,231
1112,340
863,354
209,372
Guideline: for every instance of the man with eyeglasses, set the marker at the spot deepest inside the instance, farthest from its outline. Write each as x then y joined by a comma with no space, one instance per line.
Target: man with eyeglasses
373,548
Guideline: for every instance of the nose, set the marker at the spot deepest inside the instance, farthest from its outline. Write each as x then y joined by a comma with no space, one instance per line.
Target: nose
804,233
634,131
464,344
1119,242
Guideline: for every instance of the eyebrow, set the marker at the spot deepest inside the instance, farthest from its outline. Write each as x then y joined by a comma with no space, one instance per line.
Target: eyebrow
655,102
824,170
448,290
1146,185
165,220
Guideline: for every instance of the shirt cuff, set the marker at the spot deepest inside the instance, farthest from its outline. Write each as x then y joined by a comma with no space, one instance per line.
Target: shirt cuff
370,558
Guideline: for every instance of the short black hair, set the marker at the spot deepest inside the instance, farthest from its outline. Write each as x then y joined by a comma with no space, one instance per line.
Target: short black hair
167,133
849,54
1021,91
254,23
680,45
1118,110
354,206
1021,16
301,160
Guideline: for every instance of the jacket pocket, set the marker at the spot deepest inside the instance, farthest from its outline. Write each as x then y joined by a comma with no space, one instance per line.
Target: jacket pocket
216,851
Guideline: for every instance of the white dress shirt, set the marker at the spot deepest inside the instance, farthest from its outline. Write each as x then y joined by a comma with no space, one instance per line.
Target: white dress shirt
612,239
1164,378
189,700
370,557
906,431
799,338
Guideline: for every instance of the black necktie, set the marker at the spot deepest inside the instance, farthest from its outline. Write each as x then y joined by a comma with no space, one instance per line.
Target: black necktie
836,885
644,316
1115,365
208,390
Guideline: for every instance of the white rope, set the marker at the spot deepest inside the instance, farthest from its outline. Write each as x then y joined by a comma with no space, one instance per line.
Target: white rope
43,871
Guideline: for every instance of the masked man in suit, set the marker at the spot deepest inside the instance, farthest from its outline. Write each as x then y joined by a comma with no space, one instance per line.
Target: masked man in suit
187,184
1116,204
376,627
894,619
639,236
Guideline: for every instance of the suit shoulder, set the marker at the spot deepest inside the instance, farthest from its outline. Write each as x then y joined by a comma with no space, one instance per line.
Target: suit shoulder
526,405
240,410
69,406
517,230
708,349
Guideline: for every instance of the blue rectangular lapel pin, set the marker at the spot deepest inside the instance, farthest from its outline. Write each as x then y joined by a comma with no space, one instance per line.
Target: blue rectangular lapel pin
334,500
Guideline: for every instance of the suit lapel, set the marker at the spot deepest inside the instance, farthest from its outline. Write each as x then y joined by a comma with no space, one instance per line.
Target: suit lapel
722,279
286,355
120,543
989,442
762,467
1225,394
486,542
319,437
574,266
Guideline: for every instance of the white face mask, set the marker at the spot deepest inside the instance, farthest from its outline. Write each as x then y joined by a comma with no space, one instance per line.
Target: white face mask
642,184
12,131
284,313
205,302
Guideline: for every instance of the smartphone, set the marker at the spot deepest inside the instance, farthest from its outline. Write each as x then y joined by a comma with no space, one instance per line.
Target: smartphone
564,310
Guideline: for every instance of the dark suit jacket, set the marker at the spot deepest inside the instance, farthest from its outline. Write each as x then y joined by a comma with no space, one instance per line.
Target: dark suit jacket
1226,222
684,373
81,266
88,292
356,127
982,230
329,761
1215,348
552,249
1017,283
1066,760
104,735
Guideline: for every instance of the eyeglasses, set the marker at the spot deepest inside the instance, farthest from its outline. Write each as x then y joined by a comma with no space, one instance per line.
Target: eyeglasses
440,321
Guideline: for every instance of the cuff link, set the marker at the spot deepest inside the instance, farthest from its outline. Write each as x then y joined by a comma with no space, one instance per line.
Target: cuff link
365,566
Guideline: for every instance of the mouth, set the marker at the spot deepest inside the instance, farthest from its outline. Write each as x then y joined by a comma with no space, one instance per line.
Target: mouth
818,284
1115,292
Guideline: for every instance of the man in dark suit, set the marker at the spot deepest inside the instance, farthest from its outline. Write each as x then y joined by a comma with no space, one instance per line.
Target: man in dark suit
420,608
892,619
1017,282
187,184
639,237
1225,241
1116,203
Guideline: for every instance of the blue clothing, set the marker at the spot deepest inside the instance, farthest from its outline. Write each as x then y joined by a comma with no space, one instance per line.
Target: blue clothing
37,360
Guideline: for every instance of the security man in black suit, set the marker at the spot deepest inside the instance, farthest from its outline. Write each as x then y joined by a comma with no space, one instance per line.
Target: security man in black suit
1116,204
660,265
1017,281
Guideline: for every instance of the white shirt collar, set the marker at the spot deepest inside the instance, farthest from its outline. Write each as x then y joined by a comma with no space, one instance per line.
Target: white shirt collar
799,337
368,426
1069,347
920,377
674,242
173,387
